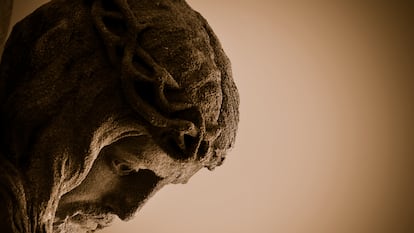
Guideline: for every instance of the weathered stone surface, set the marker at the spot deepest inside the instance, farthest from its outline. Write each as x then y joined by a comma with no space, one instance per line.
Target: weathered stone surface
81,77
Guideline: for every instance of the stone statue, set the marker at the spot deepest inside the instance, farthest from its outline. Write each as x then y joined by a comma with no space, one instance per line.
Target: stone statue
103,102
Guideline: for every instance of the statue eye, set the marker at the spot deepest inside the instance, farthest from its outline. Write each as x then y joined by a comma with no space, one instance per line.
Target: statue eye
121,167
125,168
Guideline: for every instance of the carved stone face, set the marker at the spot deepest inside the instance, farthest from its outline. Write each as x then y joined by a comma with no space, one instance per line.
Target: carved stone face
122,178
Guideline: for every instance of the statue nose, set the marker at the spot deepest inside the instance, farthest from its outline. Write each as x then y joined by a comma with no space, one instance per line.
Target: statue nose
126,212
136,190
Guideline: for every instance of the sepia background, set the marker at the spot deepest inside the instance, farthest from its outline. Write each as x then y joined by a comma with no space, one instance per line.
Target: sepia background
325,143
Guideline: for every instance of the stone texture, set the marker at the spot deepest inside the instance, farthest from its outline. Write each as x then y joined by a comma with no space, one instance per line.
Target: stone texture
77,76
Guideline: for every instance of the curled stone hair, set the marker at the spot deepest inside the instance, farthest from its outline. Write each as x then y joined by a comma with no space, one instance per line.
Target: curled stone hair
79,60
174,75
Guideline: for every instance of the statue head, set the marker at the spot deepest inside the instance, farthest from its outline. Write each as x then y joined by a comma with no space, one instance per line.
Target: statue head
103,102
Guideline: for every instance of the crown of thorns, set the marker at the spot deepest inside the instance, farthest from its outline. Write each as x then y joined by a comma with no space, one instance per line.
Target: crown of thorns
192,120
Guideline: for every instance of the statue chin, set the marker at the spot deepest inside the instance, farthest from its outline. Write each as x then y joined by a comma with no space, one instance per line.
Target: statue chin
82,223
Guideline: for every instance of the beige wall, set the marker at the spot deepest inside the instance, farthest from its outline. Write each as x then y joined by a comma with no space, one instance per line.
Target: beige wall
326,137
